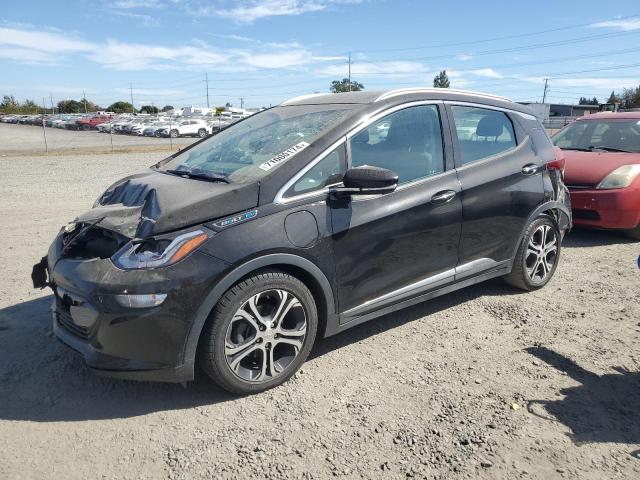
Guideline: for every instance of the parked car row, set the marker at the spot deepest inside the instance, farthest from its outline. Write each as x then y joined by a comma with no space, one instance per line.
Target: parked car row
150,126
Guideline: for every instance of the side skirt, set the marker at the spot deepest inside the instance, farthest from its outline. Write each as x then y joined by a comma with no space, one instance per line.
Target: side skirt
503,269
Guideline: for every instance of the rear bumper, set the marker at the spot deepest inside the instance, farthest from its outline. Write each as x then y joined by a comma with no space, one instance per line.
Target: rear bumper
610,209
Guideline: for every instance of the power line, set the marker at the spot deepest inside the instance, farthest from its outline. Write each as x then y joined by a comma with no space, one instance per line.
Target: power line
495,39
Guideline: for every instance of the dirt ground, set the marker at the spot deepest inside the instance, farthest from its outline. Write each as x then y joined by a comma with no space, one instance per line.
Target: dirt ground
486,383
30,140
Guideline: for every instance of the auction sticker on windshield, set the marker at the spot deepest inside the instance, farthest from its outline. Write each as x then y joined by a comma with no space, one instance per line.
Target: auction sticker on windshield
281,157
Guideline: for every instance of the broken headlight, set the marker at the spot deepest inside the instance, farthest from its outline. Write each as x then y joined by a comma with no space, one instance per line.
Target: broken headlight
158,252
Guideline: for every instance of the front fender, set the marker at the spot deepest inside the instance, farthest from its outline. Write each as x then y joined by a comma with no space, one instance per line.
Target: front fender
271,260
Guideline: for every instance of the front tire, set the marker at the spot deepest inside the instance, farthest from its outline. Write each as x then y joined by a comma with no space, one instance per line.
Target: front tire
537,256
259,334
174,133
202,133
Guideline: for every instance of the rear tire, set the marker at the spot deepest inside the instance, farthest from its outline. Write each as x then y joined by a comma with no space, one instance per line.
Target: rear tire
259,334
634,233
174,133
537,256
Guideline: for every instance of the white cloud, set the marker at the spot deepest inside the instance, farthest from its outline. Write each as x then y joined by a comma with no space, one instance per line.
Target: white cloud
487,73
47,42
248,11
132,4
52,48
622,24
463,57
130,56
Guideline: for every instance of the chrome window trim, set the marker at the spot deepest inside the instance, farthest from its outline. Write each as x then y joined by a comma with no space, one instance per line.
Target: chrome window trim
280,199
491,158
489,107
375,116
364,122
499,109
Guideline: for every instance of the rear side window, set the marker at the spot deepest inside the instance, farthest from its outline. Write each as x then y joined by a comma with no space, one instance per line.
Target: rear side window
482,132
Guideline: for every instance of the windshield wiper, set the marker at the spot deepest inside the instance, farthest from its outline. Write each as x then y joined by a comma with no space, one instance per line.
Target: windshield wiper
577,149
199,175
609,149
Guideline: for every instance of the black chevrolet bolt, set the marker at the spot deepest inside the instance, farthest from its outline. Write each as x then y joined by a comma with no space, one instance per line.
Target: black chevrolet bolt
299,222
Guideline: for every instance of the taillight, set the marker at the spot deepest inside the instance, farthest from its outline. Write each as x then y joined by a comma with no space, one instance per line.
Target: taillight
558,163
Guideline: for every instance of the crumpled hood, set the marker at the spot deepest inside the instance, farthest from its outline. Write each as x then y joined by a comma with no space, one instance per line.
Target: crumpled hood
151,202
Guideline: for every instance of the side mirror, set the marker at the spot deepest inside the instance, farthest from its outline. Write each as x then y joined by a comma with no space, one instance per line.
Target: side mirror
367,180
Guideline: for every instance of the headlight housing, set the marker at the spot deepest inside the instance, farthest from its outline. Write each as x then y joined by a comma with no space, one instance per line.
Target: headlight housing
621,177
158,252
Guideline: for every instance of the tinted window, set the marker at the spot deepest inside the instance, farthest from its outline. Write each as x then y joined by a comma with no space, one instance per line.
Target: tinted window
407,142
327,171
482,132
607,134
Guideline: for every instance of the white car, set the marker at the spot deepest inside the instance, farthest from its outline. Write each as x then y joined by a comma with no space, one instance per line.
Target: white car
198,128
152,130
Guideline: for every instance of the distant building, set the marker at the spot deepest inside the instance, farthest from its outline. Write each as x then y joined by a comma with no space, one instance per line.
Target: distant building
545,111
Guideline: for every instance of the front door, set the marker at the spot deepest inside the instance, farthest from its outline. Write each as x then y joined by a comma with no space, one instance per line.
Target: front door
395,246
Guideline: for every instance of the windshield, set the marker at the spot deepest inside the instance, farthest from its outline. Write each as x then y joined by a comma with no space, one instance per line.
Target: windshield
254,147
613,135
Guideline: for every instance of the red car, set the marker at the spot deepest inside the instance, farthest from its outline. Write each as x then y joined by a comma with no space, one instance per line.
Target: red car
92,122
602,170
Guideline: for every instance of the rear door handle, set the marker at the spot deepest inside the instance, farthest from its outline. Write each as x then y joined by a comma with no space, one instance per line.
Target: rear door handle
444,196
530,169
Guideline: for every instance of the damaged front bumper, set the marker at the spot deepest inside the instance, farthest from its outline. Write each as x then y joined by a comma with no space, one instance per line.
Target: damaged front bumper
97,311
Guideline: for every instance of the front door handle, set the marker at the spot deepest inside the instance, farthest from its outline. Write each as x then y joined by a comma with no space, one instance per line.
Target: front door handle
530,169
444,196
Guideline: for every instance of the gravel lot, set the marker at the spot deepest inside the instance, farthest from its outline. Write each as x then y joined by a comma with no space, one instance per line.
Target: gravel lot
29,140
484,383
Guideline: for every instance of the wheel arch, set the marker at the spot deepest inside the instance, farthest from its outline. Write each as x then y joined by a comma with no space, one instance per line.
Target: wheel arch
557,210
299,267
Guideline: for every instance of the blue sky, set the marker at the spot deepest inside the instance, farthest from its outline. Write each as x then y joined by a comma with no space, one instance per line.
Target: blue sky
266,51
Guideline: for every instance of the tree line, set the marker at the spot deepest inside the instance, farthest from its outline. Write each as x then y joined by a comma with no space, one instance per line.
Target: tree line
629,98
9,104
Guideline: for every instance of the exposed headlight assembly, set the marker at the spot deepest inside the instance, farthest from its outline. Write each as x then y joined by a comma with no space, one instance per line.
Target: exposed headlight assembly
158,252
621,177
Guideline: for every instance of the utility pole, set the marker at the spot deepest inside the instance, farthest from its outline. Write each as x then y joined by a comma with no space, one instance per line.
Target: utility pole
44,130
131,91
84,97
53,110
206,81
242,103
349,71
546,87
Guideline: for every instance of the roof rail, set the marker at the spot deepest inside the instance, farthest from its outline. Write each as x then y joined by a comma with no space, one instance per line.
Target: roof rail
302,97
405,91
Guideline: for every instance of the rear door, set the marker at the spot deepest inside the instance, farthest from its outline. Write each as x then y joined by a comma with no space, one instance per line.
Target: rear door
501,180
395,246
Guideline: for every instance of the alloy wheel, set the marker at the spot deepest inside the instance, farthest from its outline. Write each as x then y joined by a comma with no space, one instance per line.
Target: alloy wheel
542,253
265,335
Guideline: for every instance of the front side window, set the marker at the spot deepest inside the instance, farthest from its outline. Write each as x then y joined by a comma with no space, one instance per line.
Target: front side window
407,142
327,171
256,146
482,132
613,135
